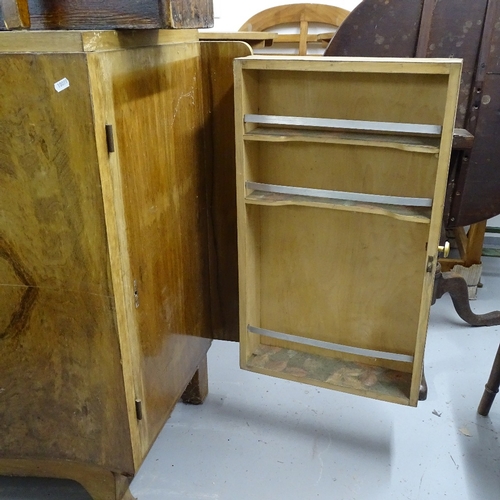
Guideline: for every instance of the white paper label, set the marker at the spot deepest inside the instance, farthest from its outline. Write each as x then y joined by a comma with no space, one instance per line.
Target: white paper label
61,84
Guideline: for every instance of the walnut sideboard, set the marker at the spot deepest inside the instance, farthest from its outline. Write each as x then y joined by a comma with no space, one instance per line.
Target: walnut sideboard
104,286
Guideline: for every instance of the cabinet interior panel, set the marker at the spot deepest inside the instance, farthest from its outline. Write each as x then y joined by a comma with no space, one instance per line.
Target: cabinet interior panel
342,168
308,293
355,96
348,168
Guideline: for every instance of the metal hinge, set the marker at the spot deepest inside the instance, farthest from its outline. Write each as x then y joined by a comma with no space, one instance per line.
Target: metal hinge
136,295
138,409
110,141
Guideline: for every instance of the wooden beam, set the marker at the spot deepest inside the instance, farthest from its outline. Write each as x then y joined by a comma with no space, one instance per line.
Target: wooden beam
462,139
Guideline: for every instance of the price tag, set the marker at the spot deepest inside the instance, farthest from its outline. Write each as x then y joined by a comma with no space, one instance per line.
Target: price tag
61,84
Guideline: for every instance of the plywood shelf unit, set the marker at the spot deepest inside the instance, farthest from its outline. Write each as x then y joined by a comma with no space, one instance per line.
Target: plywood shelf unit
341,176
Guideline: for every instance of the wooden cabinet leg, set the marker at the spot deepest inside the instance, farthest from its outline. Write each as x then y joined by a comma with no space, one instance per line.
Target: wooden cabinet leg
197,389
100,484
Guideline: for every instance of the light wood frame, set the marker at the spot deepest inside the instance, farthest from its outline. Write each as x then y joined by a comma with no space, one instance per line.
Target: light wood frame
336,293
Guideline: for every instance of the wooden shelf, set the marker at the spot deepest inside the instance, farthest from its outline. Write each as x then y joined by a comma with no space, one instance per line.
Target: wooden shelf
406,213
332,372
413,137
428,145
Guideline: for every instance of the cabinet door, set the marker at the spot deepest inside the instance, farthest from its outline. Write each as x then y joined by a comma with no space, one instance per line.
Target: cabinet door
61,385
341,176
149,129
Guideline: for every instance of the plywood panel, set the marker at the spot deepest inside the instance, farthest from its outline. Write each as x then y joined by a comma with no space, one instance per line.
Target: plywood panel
358,97
309,293
62,392
347,168
217,59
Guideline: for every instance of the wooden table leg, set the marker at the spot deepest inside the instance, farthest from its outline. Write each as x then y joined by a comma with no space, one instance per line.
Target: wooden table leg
475,241
197,389
491,387
454,284
470,246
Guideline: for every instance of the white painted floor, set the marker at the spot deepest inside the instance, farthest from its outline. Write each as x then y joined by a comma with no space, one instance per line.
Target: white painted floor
260,438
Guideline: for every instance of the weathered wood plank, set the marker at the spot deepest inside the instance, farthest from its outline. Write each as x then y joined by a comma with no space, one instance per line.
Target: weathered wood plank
114,14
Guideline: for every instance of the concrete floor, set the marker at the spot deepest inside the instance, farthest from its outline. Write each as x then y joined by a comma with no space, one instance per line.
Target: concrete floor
260,438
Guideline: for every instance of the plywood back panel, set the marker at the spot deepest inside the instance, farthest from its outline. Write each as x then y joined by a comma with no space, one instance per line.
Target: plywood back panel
346,168
351,278
358,97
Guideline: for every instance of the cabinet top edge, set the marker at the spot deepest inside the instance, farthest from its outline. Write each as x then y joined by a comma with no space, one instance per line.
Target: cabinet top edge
351,64
90,40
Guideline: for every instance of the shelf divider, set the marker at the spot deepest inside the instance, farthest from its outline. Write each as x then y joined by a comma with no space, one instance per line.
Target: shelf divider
358,351
394,128
341,195
415,144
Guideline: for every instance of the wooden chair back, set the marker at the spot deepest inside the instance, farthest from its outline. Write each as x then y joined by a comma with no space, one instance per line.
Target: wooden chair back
301,14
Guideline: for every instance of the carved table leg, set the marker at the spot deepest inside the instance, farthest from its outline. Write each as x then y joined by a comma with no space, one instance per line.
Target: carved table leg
454,284
197,389
491,387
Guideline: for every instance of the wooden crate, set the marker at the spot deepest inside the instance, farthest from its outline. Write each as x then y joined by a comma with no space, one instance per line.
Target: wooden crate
104,295
341,177
118,14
